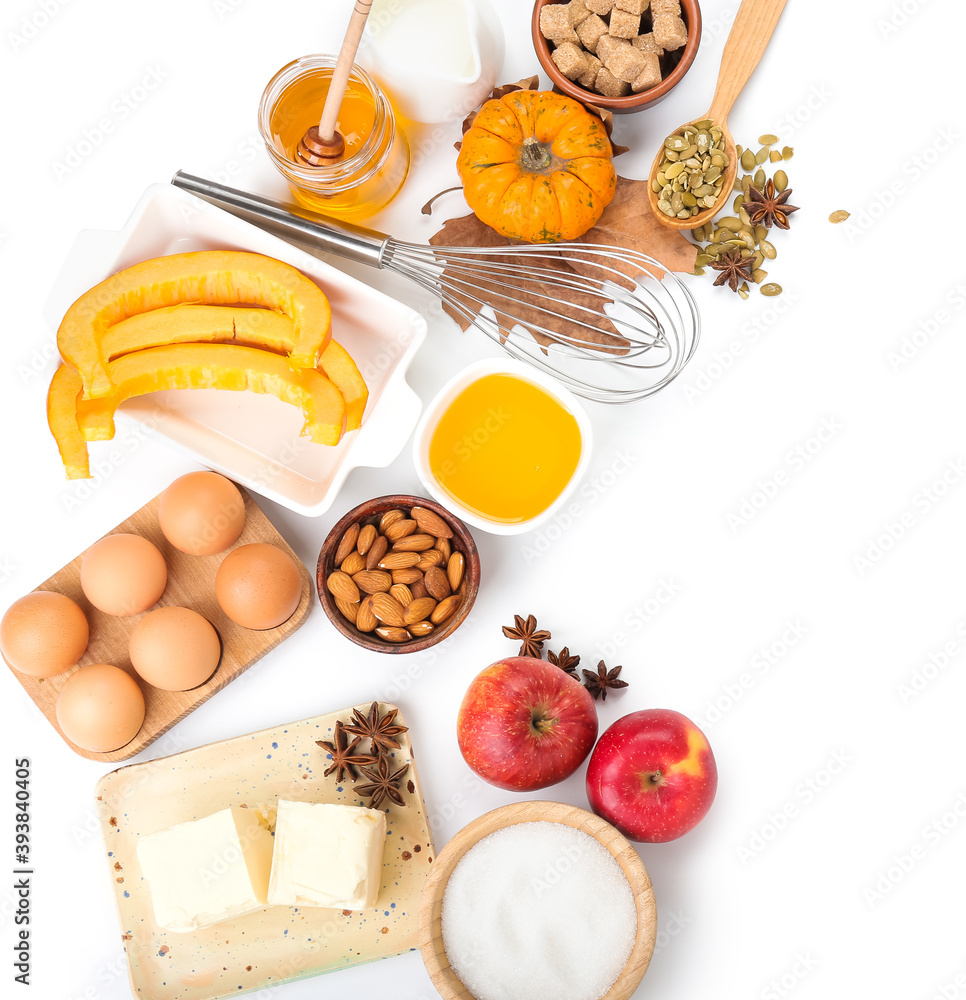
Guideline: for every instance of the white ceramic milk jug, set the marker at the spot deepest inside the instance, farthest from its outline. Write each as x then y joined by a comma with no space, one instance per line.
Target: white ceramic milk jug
438,59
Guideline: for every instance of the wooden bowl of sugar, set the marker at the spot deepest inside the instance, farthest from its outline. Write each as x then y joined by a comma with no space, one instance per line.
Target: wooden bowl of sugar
537,900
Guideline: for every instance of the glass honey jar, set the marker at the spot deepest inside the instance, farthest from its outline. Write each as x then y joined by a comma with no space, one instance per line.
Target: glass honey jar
376,159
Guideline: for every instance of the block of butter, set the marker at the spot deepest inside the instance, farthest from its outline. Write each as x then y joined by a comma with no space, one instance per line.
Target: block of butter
207,870
327,855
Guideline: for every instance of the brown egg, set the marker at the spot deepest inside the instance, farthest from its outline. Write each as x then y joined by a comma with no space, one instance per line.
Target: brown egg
174,649
43,634
100,708
202,513
123,574
258,586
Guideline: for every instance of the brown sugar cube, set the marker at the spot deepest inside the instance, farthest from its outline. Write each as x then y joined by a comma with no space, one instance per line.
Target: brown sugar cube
607,85
624,25
650,76
670,32
570,59
590,31
622,59
632,6
555,24
600,6
608,46
589,77
665,8
646,43
578,11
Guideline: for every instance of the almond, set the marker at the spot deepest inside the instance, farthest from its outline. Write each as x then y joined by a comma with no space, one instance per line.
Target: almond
366,537
443,545
454,570
366,619
444,610
388,610
393,634
418,629
414,543
437,584
399,529
341,586
347,609
376,551
431,557
402,594
373,581
398,560
390,517
406,576
347,544
419,610
353,563
431,523
418,589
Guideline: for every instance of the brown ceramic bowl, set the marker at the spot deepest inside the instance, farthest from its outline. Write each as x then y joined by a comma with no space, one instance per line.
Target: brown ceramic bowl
369,513
690,12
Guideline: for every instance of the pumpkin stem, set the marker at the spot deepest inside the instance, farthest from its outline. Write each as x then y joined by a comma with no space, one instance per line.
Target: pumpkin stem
534,155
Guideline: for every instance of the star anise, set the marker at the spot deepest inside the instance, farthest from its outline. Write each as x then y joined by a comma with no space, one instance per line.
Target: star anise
382,783
344,760
598,683
379,729
565,661
734,269
526,633
769,208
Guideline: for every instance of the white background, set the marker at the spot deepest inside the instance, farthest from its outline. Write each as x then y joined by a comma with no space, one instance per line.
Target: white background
656,565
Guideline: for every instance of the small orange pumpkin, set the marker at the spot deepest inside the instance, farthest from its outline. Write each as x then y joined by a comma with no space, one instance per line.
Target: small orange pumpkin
537,166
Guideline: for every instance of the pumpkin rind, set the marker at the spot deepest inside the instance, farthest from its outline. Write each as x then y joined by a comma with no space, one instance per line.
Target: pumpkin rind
537,166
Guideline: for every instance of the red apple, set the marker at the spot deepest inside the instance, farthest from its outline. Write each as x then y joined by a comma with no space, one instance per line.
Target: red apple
525,724
652,775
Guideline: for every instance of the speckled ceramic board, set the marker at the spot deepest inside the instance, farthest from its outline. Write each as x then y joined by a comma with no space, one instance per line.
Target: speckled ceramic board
277,943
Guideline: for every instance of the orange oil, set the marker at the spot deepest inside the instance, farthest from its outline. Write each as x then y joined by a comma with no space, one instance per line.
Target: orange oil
505,448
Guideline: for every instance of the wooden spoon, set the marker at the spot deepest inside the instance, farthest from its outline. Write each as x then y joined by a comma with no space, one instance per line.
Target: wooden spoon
750,34
322,144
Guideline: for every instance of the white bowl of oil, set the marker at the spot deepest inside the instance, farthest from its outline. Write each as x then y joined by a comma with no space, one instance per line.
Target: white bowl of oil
503,446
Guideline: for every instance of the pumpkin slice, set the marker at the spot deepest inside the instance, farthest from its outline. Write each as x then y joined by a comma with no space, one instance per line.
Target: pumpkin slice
213,277
216,366
190,323
338,366
65,389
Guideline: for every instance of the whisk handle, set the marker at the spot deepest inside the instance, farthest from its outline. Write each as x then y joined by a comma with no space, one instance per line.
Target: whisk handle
351,242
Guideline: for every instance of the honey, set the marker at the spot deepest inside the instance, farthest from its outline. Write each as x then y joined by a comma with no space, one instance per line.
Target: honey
505,448
376,159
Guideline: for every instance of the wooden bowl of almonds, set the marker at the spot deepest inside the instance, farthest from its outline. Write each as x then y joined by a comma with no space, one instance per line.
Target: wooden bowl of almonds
398,574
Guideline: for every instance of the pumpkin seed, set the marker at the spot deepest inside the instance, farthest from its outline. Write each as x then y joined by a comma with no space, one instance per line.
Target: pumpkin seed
684,214
737,203
771,289
758,275
767,249
689,200
768,139
711,173
760,179
774,156
761,155
709,201
705,123
687,153
699,270
744,216
671,157
719,160
703,191
781,180
743,291
665,207
747,160
788,152
731,223
673,170
656,184
703,258
759,258
761,233
840,216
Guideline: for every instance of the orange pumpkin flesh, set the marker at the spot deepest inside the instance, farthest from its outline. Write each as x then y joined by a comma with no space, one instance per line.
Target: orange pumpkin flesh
537,166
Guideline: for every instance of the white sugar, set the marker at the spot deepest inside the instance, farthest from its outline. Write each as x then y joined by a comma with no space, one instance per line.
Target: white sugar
538,911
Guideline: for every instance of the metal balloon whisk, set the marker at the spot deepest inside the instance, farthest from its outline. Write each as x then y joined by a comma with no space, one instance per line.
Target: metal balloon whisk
608,322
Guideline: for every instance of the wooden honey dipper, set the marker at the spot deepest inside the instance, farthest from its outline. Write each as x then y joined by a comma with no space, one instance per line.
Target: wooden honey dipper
322,145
